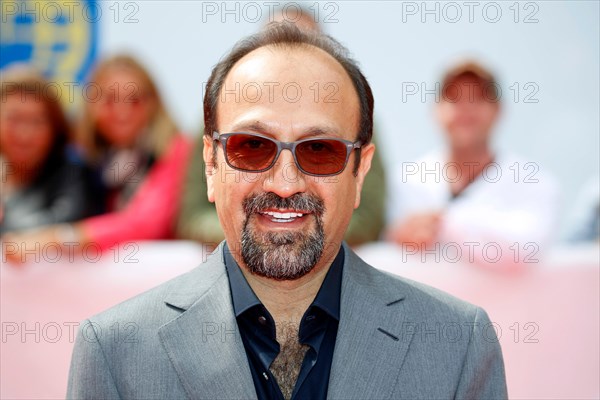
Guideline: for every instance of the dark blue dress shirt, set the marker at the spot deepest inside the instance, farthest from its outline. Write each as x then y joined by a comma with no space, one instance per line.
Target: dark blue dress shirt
318,330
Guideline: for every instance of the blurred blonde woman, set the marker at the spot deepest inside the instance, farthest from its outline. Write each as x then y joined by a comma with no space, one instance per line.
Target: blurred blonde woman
137,156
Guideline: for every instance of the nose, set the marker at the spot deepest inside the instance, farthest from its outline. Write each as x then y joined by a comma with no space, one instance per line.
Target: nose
121,109
26,131
284,179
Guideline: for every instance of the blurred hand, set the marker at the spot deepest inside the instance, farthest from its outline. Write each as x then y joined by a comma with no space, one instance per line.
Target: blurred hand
26,246
35,244
418,229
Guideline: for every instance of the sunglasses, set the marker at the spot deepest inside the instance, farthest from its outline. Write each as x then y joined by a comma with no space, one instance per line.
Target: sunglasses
257,153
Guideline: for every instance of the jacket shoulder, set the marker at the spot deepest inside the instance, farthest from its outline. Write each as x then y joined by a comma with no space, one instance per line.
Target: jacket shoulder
432,299
166,301
425,300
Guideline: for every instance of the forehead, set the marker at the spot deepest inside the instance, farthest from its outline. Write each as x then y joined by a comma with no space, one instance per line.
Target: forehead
469,87
467,79
299,62
122,74
289,88
23,100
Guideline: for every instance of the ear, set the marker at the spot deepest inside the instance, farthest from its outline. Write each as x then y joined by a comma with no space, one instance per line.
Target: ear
498,110
437,110
211,168
366,156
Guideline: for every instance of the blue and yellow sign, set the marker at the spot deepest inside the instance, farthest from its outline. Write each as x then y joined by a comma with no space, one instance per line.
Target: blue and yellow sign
59,38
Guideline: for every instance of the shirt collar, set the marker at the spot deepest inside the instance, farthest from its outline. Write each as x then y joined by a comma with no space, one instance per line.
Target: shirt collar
242,295
244,298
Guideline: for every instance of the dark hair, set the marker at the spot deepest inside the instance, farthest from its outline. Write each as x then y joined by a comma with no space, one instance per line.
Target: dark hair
285,34
28,83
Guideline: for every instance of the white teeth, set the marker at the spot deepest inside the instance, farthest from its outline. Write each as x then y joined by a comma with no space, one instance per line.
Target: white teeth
279,215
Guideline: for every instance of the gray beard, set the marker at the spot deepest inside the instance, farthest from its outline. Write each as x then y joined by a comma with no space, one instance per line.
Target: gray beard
282,255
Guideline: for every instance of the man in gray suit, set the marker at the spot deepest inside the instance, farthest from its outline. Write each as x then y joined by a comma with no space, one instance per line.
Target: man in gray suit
283,309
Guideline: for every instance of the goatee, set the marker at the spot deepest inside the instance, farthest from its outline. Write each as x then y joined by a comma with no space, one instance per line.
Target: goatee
282,255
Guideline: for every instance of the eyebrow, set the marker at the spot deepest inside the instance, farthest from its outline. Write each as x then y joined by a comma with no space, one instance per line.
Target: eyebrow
259,127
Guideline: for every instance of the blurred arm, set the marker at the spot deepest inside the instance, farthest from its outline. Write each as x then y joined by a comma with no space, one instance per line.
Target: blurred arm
152,210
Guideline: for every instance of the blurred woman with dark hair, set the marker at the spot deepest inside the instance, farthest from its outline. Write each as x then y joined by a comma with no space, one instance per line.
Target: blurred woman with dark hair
137,156
41,184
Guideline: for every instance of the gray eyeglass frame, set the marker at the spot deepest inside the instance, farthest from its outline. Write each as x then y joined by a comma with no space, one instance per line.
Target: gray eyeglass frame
291,146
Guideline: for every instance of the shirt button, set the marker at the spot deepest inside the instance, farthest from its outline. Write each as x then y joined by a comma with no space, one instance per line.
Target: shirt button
262,320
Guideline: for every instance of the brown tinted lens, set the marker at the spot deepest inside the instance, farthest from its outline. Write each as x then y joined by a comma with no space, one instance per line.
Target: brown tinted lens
321,156
250,152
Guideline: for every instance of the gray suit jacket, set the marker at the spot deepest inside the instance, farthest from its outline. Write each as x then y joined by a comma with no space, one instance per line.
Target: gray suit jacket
396,339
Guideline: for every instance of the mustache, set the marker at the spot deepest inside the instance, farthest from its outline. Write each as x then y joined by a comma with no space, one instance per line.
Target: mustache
257,202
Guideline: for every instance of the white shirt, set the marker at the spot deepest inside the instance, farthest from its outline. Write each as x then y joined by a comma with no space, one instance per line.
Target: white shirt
511,202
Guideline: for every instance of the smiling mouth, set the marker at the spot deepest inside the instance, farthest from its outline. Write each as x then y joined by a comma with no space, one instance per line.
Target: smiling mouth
283,216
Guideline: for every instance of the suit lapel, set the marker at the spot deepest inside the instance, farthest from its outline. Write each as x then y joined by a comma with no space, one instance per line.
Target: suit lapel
371,343
206,349
203,342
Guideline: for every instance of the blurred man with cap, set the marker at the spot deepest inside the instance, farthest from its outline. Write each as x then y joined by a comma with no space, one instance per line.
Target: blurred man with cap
469,193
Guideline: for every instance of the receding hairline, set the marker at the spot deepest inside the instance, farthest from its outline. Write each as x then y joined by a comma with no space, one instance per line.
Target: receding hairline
308,47
290,47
